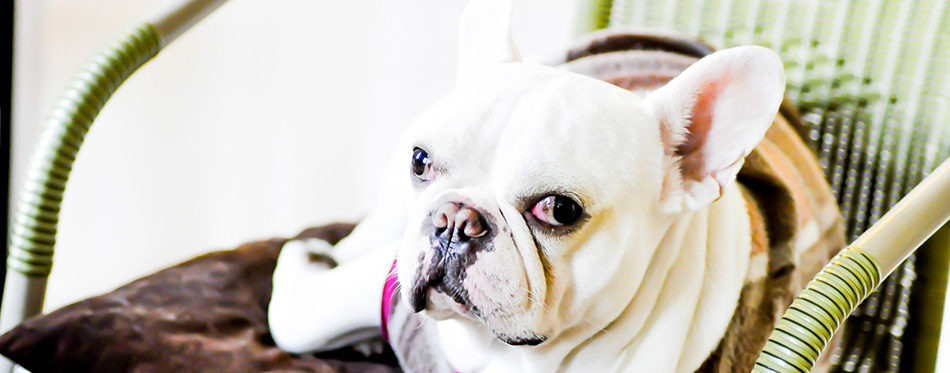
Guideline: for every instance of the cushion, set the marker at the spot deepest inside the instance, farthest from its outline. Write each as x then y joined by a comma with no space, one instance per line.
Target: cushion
206,314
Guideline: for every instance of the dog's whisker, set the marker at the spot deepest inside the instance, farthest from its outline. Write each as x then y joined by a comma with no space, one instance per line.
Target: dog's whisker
603,329
533,299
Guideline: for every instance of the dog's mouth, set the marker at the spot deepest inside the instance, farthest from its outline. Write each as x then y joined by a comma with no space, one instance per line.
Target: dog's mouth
440,303
522,341
448,304
448,286
440,287
445,273
443,295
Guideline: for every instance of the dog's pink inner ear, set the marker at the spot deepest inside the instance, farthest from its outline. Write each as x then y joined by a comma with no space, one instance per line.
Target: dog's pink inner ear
711,116
692,162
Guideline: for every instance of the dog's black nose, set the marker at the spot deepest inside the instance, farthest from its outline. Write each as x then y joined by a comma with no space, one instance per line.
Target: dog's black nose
455,223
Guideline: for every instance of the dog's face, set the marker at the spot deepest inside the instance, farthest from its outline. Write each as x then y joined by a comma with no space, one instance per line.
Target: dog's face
539,194
513,197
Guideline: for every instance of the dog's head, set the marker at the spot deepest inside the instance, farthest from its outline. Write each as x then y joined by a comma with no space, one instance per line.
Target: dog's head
540,194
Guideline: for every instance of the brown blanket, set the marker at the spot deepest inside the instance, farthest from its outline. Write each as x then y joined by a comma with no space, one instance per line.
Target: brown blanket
208,314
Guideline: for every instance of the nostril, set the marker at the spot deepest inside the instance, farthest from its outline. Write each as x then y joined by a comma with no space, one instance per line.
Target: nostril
439,220
475,229
456,222
463,232
443,216
469,223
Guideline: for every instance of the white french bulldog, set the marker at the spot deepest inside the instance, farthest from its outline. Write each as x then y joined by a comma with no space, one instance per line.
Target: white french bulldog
543,221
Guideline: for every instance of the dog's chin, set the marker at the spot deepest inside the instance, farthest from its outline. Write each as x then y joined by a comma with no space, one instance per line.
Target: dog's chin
441,307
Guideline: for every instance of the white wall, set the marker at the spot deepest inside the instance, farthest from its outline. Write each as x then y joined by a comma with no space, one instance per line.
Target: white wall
266,118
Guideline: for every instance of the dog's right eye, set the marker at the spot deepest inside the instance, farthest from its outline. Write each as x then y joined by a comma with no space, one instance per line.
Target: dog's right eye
421,165
557,210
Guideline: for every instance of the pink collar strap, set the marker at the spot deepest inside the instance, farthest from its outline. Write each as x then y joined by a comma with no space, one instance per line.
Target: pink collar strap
389,290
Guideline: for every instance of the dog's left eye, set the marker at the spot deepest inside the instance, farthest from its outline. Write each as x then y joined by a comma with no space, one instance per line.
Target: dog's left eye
422,165
557,210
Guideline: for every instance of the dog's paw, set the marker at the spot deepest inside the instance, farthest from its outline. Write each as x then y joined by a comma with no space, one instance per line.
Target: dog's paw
309,253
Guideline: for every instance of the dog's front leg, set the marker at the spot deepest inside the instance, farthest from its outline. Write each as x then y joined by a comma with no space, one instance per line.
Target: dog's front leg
315,307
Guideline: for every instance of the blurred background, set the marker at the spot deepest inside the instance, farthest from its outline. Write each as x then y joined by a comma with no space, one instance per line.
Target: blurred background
266,118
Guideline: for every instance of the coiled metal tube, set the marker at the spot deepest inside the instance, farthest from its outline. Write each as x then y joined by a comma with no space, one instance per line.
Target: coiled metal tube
815,315
33,232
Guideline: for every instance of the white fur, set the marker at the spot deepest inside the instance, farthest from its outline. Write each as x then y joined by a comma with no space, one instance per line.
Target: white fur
485,37
648,283
304,295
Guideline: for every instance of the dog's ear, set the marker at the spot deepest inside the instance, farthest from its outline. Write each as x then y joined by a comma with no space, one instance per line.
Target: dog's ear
711,116
485,36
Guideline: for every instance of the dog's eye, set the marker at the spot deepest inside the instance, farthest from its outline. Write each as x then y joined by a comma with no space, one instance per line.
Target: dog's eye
556,210
421,165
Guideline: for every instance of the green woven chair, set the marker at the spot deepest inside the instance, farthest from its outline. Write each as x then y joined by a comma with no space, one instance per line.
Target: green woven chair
872,81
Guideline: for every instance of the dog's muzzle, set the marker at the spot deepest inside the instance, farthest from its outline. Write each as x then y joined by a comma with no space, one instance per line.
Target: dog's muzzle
457,232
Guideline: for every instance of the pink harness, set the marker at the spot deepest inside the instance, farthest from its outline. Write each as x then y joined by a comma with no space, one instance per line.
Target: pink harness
389,290
392,282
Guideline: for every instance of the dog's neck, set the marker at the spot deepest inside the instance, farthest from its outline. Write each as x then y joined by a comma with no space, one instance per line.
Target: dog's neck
673,322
